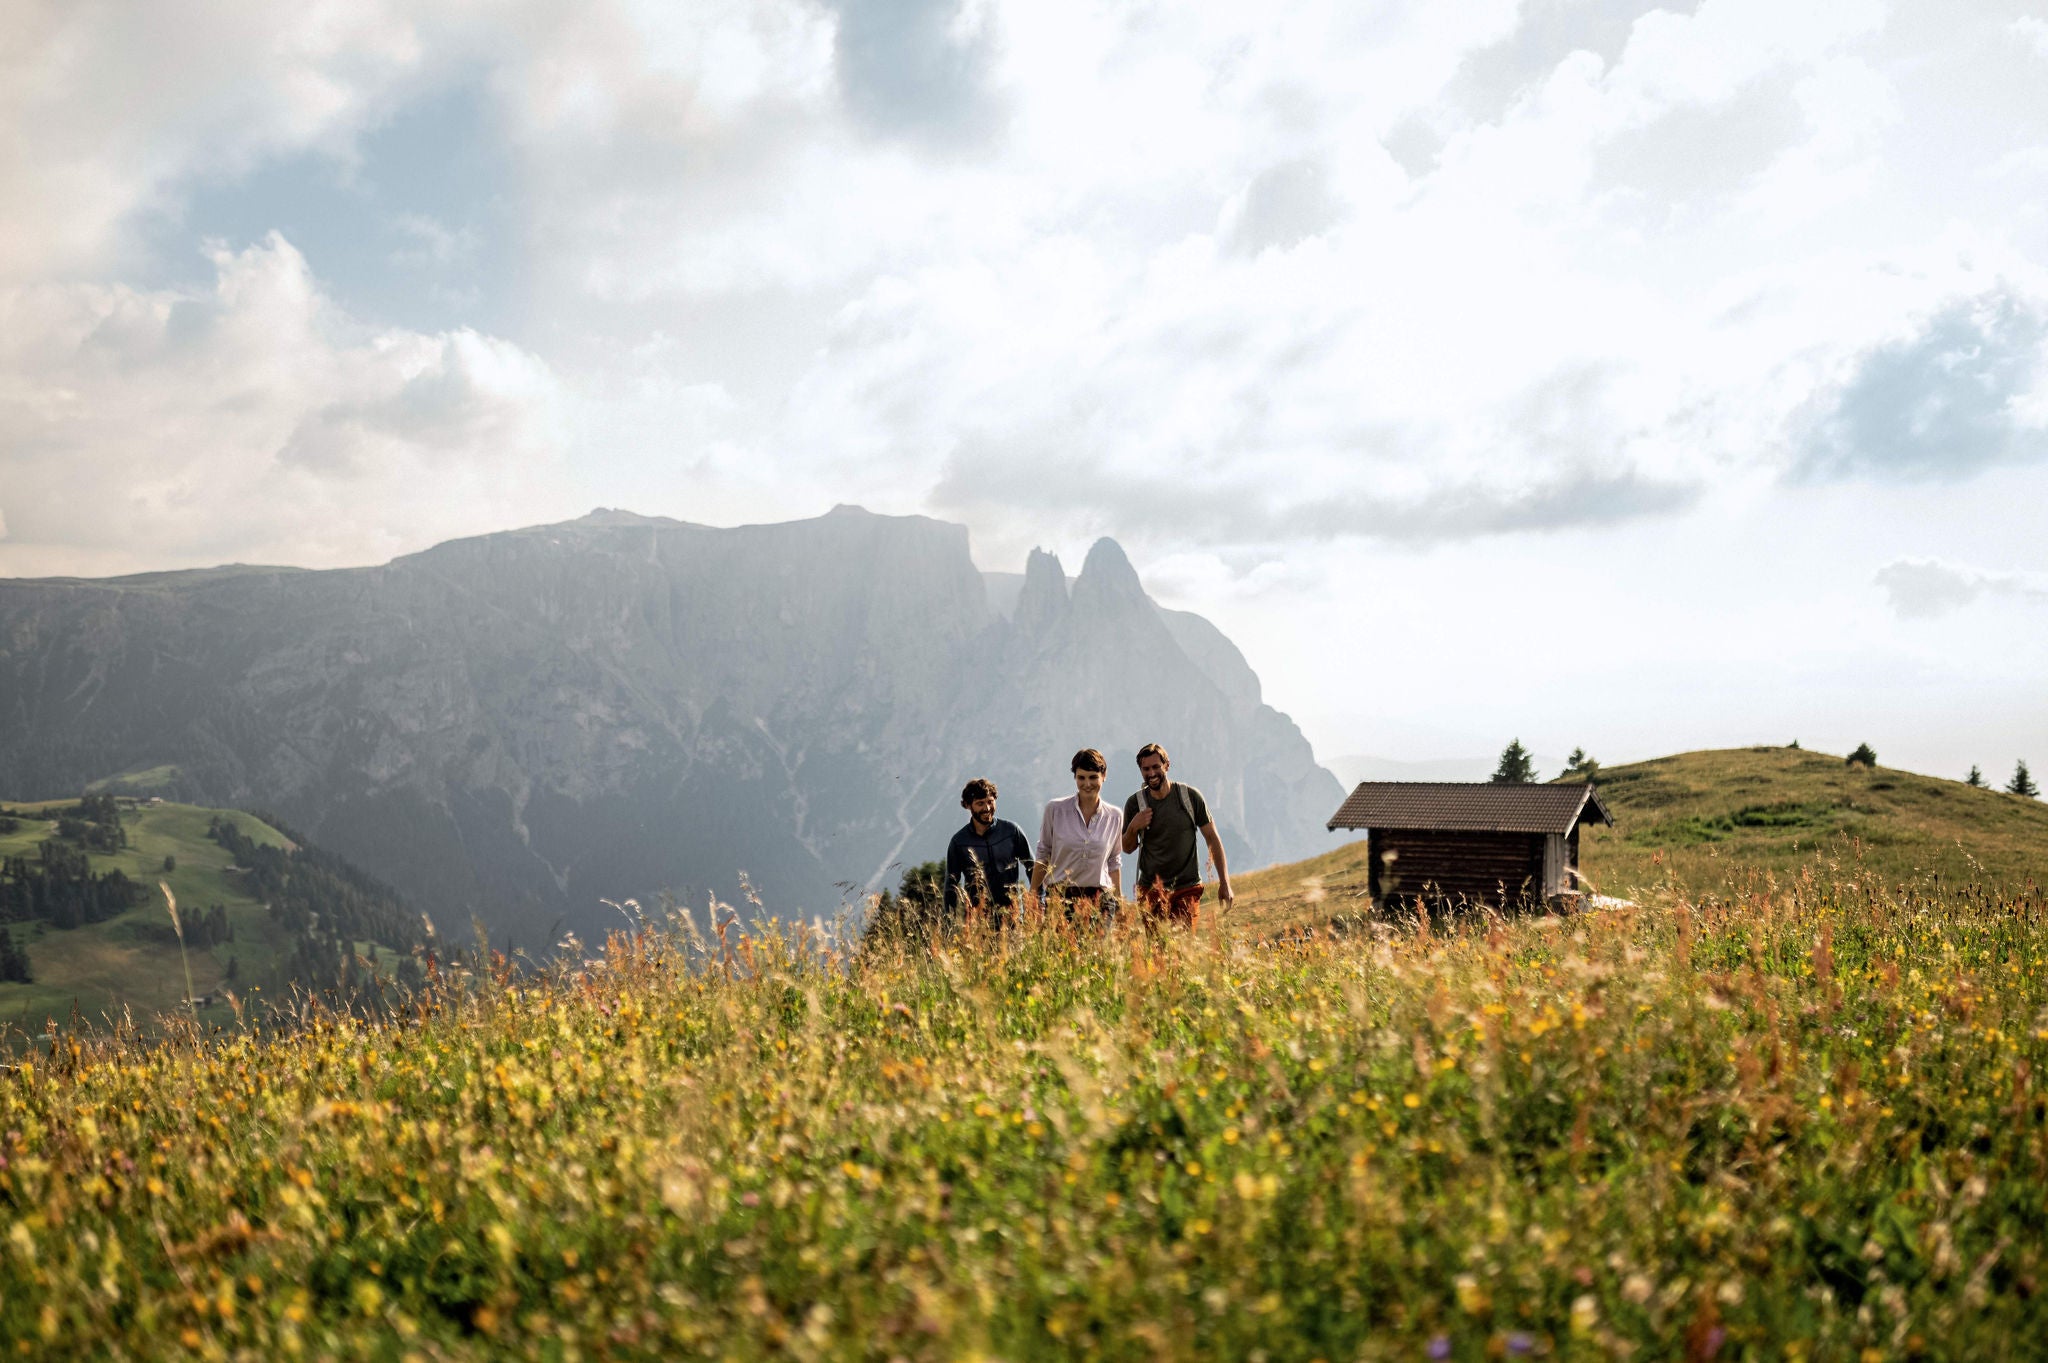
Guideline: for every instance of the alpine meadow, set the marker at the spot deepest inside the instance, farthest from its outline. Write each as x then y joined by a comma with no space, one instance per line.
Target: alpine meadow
1024,681
1791,1110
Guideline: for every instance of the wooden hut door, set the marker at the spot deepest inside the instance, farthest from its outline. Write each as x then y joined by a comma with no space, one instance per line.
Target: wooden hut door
1553,864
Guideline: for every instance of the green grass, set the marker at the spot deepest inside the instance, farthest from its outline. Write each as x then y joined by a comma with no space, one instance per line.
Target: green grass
131,962
139,782
1698,819
1785,1105
1302,894
1801,1124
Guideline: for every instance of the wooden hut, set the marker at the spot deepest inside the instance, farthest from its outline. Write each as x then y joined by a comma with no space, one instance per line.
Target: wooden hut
1470,841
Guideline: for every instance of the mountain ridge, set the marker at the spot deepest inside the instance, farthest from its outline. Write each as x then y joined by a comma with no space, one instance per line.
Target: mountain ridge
525,723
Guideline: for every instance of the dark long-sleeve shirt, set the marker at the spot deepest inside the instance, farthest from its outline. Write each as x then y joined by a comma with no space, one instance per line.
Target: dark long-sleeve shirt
992,865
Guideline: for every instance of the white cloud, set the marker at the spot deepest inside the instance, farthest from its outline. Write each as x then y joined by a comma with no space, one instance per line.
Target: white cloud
1175,243
255,420
1239,578
1924,588
1188,249
1712,54
1306,283
432,242
1965,390
106,110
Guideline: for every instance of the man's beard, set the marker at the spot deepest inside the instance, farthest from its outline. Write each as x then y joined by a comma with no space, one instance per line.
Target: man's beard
1155,782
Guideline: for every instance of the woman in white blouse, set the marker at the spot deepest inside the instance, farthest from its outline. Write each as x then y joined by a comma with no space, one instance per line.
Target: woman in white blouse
1080,839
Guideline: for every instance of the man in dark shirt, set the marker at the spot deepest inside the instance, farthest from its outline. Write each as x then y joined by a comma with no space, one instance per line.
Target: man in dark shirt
1166,817
989,861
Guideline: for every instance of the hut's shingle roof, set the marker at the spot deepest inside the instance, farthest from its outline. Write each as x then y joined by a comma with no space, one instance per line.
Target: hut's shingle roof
1478,806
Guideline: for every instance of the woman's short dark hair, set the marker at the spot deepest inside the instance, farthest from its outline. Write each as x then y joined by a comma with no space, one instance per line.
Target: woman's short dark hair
979,788
1089,759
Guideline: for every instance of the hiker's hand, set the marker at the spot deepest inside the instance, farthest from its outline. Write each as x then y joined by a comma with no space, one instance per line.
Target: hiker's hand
1225,893
1141,822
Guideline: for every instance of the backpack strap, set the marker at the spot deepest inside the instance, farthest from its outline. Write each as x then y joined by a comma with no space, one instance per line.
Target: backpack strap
1187,805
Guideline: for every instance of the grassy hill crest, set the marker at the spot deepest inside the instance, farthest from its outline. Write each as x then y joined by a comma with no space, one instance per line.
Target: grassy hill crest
1700,822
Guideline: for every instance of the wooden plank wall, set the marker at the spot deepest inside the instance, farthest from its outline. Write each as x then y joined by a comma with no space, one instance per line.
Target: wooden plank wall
1457,866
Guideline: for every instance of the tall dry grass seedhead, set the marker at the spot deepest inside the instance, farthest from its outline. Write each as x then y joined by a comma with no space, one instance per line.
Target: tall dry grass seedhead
171,903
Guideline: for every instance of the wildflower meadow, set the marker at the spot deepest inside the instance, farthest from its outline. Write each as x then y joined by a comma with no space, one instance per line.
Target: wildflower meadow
1800,1121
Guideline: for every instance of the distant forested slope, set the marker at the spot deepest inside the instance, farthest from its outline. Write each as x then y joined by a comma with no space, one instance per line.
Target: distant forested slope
85,926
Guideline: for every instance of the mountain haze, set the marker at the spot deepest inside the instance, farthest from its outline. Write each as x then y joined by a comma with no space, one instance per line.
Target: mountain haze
522,724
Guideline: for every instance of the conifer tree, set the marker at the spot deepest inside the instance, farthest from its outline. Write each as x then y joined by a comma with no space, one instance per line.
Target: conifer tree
1975,778
14,966
1516,767
1864,756
915,909
2022,782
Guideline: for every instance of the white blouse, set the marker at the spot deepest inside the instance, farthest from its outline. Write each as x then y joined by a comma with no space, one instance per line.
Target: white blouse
1079,852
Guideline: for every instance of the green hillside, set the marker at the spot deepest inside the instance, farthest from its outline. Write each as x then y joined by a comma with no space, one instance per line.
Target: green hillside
133,959
261,913
1713,822
141,782
1699,820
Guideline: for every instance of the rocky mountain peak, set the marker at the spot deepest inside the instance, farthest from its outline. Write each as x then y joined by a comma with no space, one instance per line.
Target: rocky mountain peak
1110,603
1108,575
609,516
1043,601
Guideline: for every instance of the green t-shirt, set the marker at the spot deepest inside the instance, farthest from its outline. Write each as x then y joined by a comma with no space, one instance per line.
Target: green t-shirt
1168,848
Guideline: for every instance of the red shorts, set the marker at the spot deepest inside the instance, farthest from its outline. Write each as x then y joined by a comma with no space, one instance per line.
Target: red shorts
1182,906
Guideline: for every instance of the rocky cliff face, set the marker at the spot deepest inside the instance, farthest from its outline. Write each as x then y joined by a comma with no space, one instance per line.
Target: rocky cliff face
520,725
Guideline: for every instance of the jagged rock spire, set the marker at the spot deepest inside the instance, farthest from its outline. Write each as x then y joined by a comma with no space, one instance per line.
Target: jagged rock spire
1043,601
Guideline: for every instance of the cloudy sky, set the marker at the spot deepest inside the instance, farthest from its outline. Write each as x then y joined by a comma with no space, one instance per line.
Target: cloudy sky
1641,377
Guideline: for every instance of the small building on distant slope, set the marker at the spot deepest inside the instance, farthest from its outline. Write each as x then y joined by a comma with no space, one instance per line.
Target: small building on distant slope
1470,841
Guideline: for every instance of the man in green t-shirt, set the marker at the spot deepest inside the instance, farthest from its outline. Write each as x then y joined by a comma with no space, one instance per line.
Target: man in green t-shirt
1164,818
